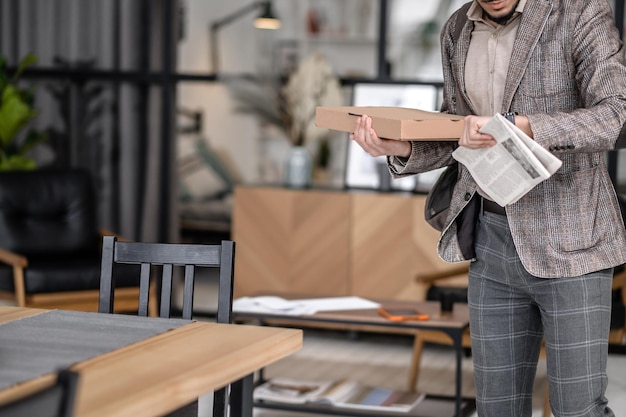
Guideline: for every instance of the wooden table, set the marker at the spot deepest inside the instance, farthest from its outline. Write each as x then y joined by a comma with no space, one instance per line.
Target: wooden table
453,324
165,372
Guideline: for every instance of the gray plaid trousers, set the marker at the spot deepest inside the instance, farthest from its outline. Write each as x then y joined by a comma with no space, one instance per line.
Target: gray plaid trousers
511,311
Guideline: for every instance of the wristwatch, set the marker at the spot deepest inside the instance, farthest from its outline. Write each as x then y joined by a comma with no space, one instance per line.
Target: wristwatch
510,116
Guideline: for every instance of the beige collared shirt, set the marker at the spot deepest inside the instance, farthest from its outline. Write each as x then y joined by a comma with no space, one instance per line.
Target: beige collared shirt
488,59
485,78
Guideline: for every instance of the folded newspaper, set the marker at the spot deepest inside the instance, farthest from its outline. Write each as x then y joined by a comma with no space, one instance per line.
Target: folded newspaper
512,167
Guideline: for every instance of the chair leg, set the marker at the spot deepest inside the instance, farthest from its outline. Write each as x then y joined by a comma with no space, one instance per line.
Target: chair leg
418,347
547,412
616,337
220,402
18,286
241,397
153,301
190,410
153,308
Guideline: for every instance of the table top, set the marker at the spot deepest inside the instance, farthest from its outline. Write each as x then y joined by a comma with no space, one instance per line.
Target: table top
55,339
457,320
162,373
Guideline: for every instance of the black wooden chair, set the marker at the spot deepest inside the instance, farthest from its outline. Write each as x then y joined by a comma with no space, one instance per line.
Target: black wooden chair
167,256
50,242
56,400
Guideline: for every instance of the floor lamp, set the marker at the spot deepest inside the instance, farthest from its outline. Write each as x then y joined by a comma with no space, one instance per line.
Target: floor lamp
266,20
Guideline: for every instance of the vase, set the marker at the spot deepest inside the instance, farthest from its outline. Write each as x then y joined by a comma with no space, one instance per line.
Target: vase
298,171
273,148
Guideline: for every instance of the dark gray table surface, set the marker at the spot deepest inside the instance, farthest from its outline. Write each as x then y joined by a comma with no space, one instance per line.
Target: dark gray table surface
37,345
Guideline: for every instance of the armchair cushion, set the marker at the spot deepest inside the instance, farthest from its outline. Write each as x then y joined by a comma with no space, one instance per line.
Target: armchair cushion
47,212
50,217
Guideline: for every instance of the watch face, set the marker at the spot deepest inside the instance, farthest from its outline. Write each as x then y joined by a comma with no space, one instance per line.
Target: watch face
509,116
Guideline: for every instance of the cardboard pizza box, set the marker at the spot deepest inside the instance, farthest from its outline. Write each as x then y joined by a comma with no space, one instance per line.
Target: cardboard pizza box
393,122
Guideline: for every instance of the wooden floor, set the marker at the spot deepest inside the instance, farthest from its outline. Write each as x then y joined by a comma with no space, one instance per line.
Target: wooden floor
377,360
383,361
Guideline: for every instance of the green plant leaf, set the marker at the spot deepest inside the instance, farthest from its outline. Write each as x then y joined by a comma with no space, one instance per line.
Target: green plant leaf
33,139
25,62
14,114
17,162
16,110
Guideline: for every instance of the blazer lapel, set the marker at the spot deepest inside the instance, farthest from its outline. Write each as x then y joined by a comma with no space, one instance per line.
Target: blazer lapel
458,63
531,26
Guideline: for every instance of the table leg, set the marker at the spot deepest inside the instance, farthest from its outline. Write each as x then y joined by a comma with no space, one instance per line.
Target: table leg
220,404
241,397
457,339
190,410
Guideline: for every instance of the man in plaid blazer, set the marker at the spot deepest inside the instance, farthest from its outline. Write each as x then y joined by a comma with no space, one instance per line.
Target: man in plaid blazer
541,267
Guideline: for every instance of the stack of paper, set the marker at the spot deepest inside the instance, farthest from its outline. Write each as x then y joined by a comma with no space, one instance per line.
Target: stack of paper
278,305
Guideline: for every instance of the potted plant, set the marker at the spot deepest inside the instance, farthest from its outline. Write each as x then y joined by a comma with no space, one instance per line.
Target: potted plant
16,111
291,108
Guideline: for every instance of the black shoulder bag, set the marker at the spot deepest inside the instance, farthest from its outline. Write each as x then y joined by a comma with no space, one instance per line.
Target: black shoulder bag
440,195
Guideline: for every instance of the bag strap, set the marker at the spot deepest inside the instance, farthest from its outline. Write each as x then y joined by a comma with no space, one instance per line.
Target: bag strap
461,18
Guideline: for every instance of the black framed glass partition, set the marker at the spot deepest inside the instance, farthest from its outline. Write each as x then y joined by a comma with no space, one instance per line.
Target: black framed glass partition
105,92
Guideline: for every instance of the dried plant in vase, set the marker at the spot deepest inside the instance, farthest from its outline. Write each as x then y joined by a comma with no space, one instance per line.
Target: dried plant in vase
313,84
291,106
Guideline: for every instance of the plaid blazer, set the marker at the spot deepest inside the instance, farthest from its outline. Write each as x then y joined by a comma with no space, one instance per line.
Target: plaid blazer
567,74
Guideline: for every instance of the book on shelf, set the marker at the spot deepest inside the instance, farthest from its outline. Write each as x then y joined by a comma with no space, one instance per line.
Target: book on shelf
340,394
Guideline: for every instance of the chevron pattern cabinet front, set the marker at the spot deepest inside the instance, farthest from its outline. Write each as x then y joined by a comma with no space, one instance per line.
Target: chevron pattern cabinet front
291,241
331,243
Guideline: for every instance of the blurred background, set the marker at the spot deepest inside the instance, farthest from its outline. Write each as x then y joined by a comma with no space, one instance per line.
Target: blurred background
172,103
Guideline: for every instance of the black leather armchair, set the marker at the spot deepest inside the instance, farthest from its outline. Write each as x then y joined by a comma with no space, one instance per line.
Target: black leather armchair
50,243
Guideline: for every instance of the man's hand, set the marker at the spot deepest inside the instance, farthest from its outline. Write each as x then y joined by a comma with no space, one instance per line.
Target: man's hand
471,137
367,139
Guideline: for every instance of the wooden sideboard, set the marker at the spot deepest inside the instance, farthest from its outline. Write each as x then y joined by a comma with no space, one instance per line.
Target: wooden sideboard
332,243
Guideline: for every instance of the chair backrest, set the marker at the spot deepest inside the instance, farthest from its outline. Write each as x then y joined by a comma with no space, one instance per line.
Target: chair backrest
48,212
169,256
56,400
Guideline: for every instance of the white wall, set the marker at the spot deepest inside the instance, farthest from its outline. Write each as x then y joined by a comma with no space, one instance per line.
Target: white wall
228,133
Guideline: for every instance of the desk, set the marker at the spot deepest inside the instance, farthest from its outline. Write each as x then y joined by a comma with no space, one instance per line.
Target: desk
453,324
162,373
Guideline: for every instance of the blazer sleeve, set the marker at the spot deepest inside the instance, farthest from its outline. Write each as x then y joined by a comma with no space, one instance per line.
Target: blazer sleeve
593,60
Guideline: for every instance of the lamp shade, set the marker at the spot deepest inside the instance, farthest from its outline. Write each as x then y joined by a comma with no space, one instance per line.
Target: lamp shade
267,19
